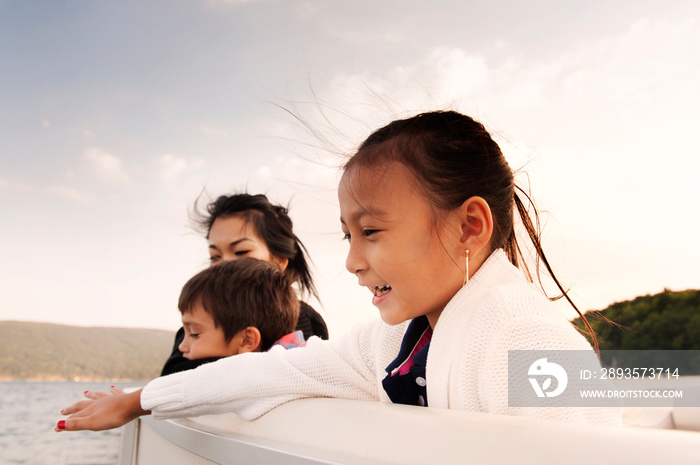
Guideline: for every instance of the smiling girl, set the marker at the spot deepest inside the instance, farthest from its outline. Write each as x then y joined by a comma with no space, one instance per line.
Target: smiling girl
427,205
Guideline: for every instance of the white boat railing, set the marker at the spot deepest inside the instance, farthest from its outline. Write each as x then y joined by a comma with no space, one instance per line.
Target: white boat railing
336,431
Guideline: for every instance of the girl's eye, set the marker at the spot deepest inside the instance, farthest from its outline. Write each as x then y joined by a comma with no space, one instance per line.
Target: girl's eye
214,258
194,335
365,233
241,253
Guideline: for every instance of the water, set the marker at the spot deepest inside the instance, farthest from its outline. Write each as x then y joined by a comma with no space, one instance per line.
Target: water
30,412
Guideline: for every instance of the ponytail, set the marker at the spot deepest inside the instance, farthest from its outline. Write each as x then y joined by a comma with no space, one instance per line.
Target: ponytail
515,255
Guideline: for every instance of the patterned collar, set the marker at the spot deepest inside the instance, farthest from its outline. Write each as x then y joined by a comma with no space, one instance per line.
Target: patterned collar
291,340
405,382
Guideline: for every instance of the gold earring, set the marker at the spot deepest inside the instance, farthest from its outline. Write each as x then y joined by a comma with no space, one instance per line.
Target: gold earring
466,268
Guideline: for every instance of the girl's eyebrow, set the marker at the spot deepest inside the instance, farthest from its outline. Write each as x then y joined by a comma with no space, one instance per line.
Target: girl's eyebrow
232,244
358,215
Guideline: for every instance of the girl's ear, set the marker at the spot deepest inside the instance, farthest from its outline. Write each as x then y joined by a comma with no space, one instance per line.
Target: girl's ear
280,262
250,340
476,225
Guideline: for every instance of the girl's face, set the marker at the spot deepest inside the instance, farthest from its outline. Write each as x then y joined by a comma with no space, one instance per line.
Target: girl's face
231,238
398,250
202,338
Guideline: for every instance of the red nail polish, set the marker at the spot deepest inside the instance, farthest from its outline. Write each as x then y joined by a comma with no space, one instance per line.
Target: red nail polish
85,393
61,424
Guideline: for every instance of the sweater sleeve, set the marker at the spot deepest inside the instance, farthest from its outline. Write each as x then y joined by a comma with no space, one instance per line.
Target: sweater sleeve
254,383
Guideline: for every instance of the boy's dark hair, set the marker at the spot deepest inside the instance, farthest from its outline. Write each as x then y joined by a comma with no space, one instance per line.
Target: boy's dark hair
241,293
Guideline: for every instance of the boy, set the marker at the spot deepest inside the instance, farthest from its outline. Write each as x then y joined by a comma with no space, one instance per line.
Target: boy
245,305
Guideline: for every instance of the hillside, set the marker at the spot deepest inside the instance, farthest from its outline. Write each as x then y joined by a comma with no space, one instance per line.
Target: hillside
666,321
662,322
43,351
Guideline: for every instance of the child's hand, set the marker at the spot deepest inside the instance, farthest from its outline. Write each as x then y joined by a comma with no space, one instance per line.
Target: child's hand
104,412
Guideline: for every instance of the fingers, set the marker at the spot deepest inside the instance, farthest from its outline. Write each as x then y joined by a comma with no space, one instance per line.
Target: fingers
94,395
84,423
77,407
74,424
85,416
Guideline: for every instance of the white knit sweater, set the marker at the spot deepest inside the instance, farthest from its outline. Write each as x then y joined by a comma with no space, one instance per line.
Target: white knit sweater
467,365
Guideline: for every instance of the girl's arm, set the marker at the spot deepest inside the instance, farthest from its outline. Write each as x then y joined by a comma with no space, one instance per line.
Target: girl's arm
251,384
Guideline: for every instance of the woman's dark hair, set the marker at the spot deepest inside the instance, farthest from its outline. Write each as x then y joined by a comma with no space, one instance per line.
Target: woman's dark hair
242,293
454,158
271,223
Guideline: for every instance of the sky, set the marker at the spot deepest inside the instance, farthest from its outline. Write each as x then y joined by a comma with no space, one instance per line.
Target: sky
115,116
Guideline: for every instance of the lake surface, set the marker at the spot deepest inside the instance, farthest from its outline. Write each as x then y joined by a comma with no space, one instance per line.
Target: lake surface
30,411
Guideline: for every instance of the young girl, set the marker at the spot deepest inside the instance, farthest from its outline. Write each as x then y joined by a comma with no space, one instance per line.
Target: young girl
427,208
244,225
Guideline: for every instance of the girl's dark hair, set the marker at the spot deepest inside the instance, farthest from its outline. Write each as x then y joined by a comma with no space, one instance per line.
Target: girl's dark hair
454,158
242,293
272,224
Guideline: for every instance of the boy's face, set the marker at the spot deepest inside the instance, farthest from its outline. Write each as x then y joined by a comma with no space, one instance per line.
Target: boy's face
202,338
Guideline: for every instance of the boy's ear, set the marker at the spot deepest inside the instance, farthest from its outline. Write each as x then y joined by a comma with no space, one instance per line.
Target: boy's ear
476,225
250,340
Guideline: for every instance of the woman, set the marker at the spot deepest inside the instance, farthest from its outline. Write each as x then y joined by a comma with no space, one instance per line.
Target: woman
244,225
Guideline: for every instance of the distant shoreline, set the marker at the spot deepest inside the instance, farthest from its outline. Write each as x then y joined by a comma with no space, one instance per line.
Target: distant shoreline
41,352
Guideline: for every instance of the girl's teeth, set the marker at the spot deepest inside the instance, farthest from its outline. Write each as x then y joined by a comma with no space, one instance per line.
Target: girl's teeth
381,290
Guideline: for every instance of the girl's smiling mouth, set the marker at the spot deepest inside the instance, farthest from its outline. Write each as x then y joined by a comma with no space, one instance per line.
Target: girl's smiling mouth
378,291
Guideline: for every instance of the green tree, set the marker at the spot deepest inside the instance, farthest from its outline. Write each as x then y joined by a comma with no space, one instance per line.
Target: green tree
665,321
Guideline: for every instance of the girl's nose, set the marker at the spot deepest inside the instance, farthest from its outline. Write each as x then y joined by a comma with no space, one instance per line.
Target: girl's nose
355,263
228,257
184,347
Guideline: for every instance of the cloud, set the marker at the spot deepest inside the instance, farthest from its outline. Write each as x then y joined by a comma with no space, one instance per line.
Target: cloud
65,188
226,3
171,168
213,131
71,193
106,167
457,71
593,93
14,186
